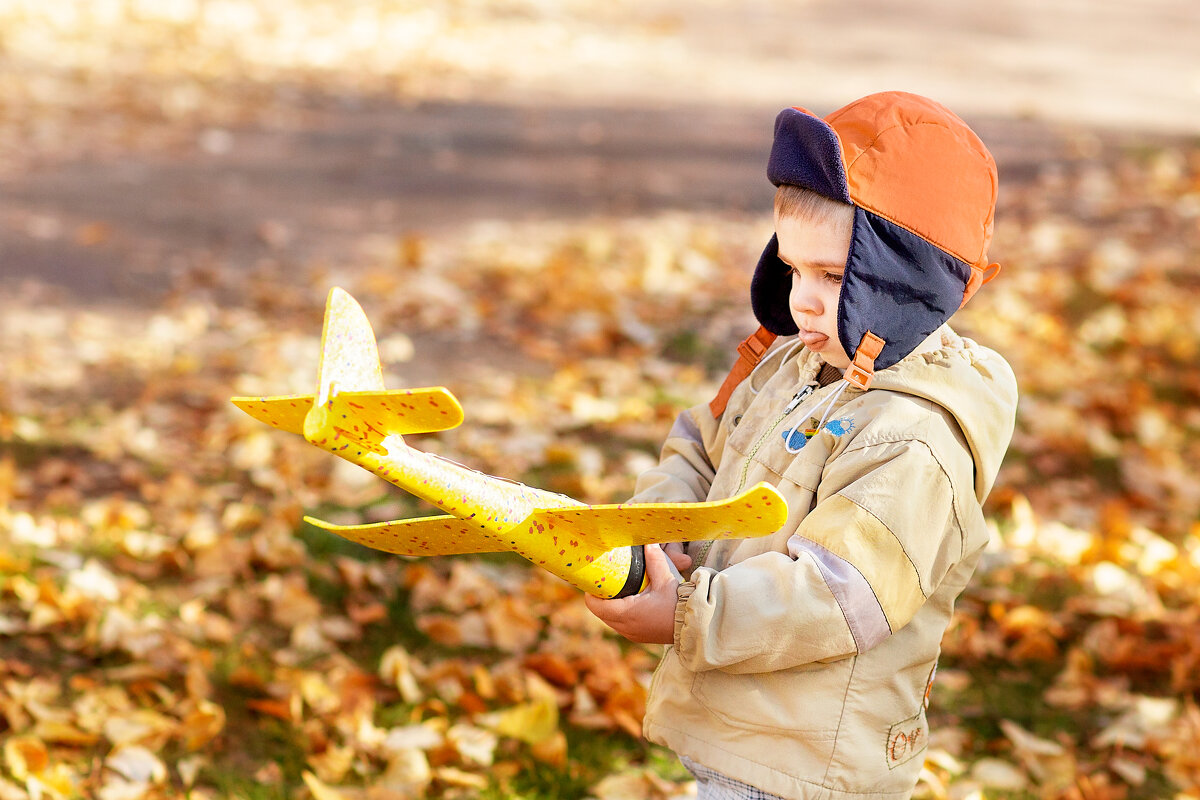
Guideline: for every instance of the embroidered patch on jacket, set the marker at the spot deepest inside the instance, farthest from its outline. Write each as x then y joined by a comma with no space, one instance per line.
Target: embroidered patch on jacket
840,427
905,740
795,438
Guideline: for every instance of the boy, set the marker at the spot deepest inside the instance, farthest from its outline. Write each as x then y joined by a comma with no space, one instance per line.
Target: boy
801,662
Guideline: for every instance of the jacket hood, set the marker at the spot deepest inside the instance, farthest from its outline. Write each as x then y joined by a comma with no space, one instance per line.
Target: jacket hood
975,385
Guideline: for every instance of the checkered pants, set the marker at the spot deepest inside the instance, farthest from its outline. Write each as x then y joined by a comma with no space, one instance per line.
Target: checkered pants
712,785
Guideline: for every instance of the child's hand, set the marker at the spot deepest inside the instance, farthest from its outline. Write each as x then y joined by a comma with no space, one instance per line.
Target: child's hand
647,617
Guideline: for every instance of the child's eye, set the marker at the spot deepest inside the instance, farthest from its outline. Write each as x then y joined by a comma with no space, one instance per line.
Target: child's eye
824,275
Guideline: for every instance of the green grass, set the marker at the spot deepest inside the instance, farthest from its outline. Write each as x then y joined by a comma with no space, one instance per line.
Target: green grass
258,741
592,755
688,346
250,740
998,692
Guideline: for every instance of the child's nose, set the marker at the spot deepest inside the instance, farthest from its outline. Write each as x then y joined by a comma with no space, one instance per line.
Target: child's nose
804,298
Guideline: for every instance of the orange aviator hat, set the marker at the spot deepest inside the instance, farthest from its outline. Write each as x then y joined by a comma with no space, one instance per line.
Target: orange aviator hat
917,164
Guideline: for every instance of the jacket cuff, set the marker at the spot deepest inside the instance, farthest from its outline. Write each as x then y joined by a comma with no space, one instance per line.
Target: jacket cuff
682,593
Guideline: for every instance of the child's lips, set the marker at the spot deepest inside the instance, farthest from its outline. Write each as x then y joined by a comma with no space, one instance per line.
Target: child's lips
812,339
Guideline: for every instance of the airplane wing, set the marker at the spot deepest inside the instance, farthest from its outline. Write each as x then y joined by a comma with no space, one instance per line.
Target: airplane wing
401,411
759,511
584,530
424,536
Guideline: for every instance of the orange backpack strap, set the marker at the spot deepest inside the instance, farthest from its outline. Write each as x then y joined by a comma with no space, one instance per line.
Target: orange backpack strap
750,352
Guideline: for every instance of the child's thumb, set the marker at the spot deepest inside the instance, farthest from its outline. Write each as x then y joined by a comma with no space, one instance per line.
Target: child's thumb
659,566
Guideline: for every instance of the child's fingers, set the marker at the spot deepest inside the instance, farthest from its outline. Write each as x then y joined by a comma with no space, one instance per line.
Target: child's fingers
680,559
611,611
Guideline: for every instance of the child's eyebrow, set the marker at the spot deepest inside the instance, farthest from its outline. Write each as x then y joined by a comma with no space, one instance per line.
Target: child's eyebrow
828,266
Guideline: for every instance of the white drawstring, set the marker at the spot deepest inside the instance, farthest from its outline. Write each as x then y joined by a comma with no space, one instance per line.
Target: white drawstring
827,404
786,351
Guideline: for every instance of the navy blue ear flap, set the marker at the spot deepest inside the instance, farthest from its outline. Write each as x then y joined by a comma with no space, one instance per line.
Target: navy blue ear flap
898,286
806,153
769,290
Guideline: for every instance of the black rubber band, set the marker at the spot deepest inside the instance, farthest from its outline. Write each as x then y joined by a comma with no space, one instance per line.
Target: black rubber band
637,571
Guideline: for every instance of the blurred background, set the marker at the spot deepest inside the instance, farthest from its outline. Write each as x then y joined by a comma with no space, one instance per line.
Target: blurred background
553,208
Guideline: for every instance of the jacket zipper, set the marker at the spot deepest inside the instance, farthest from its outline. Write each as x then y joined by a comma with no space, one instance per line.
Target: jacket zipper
796,400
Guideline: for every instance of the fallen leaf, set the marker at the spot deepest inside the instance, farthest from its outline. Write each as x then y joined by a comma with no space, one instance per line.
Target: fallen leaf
452,776
319,790
474,745
136,764
25,756
531,723
204,723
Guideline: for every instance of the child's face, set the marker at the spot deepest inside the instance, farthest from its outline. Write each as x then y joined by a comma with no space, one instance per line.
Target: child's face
817,250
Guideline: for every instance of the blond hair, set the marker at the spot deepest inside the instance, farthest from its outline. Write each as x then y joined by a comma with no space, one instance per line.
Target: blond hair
795,201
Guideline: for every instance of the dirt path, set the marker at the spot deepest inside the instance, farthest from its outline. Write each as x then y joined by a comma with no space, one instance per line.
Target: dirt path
117,228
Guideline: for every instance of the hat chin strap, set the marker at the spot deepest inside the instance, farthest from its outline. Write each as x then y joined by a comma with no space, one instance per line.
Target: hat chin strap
862,369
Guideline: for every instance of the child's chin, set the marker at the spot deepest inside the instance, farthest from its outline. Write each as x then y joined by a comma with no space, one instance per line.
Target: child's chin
833,359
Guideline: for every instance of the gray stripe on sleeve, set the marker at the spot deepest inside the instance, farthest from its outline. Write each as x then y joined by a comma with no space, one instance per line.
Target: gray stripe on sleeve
864,615
686,427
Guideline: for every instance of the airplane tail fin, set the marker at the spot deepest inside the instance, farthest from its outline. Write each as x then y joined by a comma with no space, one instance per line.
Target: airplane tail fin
349,354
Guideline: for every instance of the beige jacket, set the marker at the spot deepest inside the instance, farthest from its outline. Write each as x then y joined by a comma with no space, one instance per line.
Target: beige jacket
802,660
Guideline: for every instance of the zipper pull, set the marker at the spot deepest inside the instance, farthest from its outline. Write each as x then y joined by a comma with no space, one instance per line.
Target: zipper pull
797,399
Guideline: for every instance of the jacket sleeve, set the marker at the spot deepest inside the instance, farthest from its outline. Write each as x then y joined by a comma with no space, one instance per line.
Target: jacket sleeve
685,468
883,534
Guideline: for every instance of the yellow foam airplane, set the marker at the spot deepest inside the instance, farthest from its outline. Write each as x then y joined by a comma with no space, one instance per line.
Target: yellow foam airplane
597,548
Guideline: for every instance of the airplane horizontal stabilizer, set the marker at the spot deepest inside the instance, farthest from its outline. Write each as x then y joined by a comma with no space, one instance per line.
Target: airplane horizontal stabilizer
401,411
285,412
